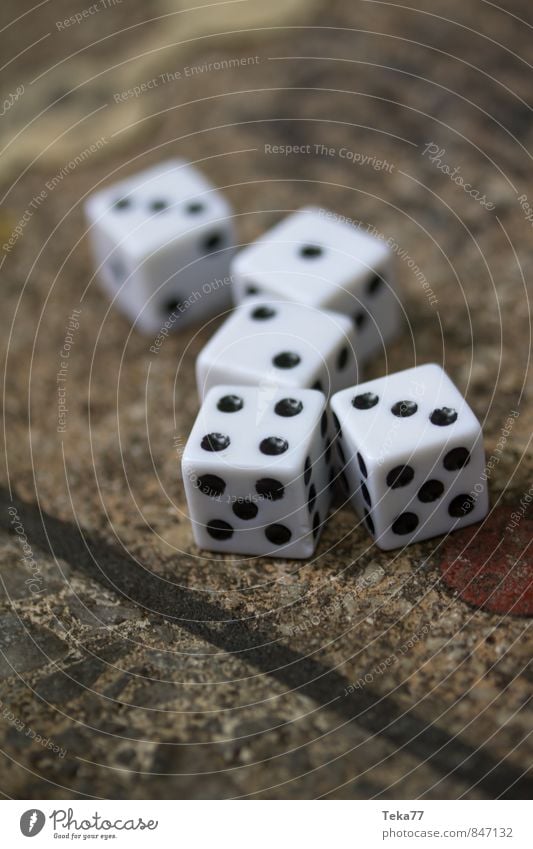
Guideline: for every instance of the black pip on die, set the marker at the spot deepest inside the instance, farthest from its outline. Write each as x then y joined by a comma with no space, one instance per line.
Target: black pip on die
255,471
411,455
162,241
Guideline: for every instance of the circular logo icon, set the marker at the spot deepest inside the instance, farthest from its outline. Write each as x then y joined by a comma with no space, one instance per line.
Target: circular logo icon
32,822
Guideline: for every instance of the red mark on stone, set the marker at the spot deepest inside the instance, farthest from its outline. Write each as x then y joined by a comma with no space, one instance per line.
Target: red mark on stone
491,565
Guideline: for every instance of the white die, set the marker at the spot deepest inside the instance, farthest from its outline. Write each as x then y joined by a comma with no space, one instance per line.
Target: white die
313,258
412,455
273,343
162,241
255,471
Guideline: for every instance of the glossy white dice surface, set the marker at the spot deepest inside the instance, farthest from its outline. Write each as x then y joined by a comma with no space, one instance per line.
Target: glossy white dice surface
412,455
314,258
162,241
274,343
255,471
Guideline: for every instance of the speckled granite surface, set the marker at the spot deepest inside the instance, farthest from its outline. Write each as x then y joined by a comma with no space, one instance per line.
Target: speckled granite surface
136,666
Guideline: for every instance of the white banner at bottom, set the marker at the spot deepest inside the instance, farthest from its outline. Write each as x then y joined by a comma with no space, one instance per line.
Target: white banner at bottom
264,824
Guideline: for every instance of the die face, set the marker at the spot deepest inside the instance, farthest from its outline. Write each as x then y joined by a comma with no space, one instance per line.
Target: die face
274,343
418,499
416,474
163,239
254,472
246,416
157,205
313,258
391,416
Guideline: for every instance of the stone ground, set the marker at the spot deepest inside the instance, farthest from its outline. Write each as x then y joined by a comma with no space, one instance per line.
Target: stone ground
136,666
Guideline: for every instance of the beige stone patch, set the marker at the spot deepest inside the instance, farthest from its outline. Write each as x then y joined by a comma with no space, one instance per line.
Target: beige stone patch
67,107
